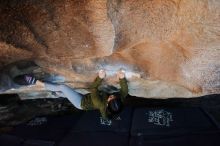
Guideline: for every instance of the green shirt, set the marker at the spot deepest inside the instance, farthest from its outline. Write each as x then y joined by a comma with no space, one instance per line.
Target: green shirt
98,99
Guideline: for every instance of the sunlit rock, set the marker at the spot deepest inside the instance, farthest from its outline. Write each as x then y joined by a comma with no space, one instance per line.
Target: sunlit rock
169,48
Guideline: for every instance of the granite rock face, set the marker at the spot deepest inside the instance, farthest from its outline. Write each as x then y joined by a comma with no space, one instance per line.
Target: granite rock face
169,48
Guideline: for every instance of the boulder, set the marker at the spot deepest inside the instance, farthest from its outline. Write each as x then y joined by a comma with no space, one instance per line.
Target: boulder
169,48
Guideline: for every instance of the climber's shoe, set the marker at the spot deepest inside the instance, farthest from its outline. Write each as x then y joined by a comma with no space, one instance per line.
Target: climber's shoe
26,79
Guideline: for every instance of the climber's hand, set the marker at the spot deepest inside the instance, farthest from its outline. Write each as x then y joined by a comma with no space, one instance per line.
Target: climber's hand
121,74
102,74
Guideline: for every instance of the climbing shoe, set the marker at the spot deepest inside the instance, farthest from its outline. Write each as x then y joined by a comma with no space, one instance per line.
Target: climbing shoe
26,79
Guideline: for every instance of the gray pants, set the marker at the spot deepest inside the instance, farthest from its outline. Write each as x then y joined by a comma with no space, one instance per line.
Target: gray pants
74,97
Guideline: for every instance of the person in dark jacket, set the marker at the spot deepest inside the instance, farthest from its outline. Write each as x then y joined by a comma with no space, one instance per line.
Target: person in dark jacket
109,105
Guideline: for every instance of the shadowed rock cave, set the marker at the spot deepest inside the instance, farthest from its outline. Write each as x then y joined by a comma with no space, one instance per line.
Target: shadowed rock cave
168,48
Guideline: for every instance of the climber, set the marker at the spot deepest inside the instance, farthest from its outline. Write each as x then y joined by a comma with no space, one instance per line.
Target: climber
109,105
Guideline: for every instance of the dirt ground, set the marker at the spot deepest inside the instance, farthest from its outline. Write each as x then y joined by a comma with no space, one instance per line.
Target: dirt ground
211,103
14,111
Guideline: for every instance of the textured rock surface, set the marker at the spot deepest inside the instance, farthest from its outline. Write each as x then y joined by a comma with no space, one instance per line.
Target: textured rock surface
169,48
